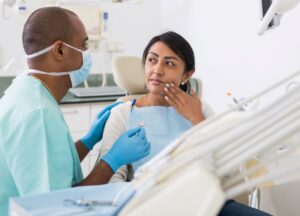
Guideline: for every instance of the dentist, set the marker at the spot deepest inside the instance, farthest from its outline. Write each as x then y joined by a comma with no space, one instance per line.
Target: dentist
37,153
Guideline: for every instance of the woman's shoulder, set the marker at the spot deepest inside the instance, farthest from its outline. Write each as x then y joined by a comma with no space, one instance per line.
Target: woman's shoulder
118,118
121,111
122,108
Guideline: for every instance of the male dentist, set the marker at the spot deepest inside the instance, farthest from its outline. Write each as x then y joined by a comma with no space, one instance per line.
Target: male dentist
37,153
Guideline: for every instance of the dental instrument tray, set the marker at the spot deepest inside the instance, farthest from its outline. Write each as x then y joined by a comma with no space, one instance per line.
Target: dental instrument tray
106,91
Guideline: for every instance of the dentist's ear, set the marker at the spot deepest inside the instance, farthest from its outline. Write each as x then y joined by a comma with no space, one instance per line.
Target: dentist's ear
58,50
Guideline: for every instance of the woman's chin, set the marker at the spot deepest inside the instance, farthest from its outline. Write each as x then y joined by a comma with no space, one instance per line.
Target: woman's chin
157,91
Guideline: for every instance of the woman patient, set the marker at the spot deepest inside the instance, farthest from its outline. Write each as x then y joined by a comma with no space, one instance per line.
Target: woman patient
169,108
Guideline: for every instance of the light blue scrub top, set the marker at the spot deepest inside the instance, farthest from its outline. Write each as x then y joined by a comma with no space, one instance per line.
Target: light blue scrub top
162,125
37,153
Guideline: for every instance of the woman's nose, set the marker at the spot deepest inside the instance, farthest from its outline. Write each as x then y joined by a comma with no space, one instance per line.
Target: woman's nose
159,69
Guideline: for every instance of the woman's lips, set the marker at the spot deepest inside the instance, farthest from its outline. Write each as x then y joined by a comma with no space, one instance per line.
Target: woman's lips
156,82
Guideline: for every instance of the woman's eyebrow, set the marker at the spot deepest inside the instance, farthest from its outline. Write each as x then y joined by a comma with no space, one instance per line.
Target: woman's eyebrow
166,57
153,53
171,57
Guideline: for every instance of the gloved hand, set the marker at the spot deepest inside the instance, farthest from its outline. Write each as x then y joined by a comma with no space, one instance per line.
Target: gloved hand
96,131
131,146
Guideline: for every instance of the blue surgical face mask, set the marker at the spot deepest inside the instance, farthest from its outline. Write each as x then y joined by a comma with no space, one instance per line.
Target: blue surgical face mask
76,76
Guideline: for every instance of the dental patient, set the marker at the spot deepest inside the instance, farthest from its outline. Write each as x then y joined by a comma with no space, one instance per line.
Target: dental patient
168,109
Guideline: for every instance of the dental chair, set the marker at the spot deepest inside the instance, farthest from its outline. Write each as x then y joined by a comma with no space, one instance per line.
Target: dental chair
129,76
128,73
196,173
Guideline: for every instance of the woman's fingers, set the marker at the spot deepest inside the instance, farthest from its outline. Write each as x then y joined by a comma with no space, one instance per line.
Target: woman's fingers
172,98
176,90
175,94
189,106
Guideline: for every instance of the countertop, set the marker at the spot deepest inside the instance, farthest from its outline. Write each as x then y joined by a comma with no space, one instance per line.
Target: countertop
93,80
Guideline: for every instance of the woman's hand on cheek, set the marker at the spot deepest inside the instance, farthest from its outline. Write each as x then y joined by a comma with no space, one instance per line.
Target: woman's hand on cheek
189,106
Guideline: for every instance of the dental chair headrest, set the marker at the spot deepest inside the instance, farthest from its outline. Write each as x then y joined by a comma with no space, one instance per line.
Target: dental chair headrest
129,74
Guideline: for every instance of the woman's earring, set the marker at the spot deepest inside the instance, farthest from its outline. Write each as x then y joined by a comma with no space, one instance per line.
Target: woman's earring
182,83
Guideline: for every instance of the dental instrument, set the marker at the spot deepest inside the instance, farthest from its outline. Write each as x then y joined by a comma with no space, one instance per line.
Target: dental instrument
84,203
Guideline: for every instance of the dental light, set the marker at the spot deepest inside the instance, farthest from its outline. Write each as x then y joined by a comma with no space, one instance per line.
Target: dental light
275,11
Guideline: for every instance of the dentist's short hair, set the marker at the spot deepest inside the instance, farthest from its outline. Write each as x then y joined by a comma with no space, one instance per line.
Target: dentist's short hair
45,26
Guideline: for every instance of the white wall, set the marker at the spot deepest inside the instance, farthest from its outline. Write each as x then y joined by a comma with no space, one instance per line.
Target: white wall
132,24
230,56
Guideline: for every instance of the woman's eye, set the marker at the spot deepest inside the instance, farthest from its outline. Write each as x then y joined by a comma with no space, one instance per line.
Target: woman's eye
170,64
152,60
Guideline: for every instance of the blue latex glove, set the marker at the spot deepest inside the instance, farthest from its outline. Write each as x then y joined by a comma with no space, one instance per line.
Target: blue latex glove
130,147
96,131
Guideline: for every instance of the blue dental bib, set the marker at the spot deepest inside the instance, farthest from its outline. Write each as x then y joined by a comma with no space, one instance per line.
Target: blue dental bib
162,126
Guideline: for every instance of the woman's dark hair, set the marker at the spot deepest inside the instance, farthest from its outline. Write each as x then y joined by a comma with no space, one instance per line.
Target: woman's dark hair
178,45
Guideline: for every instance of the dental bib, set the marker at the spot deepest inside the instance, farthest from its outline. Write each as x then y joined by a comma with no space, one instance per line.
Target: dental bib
162,126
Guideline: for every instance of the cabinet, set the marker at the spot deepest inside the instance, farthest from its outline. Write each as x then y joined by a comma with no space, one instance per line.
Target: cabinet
79,118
